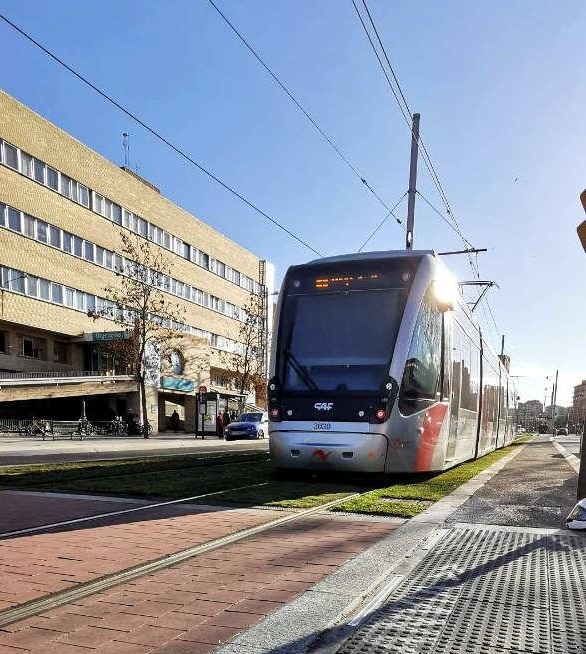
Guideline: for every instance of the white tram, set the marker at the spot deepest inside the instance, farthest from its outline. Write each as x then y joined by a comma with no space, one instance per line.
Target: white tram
378,366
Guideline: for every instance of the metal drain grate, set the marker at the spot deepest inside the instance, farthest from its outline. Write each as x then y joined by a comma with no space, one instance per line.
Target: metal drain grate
485,591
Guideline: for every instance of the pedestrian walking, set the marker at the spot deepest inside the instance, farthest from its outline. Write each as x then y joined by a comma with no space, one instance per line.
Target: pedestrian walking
226,419
174,420
220,425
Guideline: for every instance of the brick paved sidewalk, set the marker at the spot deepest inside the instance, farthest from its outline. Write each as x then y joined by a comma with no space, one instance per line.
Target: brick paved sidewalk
194,606
35,565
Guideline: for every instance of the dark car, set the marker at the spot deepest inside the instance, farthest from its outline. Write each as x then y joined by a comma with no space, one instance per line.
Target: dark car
562,432
248,425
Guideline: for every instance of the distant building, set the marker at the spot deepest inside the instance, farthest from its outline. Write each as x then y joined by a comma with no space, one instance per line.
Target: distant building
62,210
529,412
579,403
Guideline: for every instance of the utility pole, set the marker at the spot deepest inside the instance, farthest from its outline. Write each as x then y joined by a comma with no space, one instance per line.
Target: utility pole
554,393
412,182
582,470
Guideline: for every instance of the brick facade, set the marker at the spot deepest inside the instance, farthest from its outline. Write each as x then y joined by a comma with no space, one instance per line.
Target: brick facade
21,315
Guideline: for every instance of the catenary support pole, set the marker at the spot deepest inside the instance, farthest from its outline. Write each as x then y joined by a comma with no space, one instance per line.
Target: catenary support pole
554,398
582,472
411,193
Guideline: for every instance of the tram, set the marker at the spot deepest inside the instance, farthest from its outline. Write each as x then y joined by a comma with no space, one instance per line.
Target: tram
378,366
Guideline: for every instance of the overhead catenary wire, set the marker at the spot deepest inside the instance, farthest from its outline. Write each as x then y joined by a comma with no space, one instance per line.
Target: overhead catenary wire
383,221
406,113
158,135
328,139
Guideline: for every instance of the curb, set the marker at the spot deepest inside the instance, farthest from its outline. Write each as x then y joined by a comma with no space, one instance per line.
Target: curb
322,617
572,459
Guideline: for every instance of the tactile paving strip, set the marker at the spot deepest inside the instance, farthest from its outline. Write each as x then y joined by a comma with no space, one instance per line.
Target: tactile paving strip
485,591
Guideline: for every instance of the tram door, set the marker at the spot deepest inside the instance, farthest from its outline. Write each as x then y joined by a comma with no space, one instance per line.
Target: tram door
456,357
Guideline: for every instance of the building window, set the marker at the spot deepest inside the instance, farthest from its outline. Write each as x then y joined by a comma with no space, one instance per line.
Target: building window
67,242
142,226
52,179
29,226
69,297
2,214
77,246
83,195
66,186
88,251
3,343
59,352
39,171
10,155
56,293
116,213
16,280
33,348
41,231
14,220
32,286
45,289
26,164
98,204
55,236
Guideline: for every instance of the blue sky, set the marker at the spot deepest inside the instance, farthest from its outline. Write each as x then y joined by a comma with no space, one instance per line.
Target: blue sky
500,86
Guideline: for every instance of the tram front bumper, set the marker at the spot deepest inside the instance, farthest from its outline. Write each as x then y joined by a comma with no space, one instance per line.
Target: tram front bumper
333,451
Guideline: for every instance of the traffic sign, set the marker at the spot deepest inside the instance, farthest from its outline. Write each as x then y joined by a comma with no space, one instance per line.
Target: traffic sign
203,389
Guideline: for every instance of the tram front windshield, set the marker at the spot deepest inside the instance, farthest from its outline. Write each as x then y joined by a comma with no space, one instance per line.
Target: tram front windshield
339,339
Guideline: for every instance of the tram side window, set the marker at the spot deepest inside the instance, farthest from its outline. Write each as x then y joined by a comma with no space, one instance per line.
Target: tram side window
420,385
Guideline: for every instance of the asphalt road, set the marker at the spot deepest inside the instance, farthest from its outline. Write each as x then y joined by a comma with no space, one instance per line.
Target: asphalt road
18,451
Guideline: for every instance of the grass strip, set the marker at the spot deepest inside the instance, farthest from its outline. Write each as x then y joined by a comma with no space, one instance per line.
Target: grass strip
418,491
112,475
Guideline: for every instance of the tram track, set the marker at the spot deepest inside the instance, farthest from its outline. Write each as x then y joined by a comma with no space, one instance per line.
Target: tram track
111,514
60,598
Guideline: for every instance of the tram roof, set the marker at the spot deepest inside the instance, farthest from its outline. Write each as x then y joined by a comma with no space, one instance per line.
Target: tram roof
381,254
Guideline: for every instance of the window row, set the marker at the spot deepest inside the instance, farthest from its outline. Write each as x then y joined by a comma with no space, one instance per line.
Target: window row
18,281
24,163
39,230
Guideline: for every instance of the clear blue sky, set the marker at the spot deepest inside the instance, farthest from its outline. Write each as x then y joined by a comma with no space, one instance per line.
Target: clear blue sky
501,87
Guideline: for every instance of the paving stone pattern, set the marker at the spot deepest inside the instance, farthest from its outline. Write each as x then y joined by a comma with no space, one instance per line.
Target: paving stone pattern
194,606
35,565
486,591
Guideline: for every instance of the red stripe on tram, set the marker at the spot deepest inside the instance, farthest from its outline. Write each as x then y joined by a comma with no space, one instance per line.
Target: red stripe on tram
432,424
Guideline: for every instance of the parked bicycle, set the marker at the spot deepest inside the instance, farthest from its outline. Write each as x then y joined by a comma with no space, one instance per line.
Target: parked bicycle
117,427
38,427
137,429
85,427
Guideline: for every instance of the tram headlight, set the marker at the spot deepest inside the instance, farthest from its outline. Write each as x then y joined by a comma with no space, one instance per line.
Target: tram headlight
445,292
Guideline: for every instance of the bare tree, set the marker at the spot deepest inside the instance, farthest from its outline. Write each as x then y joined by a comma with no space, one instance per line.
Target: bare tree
139,304
246,364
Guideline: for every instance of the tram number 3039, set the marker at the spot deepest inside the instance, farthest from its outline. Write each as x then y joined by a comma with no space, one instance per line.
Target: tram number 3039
322,426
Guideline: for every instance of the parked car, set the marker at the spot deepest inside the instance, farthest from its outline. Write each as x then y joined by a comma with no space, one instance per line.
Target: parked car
248,425
562,432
